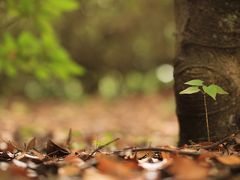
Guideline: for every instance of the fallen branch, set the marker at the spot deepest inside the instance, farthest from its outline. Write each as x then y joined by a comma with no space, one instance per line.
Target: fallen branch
214,145
100,147
159,149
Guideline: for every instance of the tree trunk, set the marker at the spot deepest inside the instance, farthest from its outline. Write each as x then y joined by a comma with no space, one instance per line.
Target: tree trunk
208,48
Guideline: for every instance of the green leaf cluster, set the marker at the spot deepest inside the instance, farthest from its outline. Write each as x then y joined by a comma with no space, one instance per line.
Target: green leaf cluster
197,85
29,46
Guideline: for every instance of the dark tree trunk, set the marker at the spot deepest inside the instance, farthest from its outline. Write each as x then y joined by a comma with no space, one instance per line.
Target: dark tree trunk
208,48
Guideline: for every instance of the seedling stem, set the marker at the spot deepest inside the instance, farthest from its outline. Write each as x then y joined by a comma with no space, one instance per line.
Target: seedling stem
206,116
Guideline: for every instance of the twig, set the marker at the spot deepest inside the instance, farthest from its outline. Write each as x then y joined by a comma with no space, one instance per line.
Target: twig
214,145
100,147
69,138
159,149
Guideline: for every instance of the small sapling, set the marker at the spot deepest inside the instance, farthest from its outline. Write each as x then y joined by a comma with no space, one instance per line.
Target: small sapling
197,85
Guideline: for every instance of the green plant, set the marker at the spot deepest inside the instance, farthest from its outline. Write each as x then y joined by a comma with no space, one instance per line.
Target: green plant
197,85
28,41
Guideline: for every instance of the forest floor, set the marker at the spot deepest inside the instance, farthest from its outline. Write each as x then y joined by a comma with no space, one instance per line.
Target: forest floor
129,138
149,118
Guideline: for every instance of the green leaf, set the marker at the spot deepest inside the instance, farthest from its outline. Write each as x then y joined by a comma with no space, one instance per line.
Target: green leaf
190,90
212,90
194,82
220,90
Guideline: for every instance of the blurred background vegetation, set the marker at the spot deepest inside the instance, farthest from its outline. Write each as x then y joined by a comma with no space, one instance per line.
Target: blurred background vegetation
68,49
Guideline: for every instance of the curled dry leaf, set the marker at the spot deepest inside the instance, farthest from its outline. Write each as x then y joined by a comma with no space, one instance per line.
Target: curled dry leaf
31,144
11,147
117,167
54,150
184,168
144,154
73,159
69,170
232,160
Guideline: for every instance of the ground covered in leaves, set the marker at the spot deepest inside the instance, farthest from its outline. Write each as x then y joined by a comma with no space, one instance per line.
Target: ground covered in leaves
109,161
130,138
142,118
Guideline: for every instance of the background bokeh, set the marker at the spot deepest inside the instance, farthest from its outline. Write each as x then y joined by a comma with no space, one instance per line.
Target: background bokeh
100,67
68,49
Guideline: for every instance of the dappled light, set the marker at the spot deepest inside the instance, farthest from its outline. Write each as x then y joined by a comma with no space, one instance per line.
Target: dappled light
165,73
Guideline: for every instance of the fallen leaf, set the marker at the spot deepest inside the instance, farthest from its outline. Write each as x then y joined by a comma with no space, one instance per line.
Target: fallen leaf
117,167
70,170
55,150
144,154
6,156
74,159
232,160
11,147
92,173
31,144
19,171
184,168
166,156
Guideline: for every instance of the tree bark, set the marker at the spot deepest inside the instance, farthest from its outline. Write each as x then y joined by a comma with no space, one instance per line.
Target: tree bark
207,48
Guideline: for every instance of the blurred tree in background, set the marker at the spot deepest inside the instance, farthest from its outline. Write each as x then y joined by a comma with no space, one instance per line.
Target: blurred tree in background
121,45
123,37
29,48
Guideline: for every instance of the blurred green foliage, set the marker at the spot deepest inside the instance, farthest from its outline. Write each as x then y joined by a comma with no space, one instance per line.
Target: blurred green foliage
114,84
70,90
29,46
119,36
119,43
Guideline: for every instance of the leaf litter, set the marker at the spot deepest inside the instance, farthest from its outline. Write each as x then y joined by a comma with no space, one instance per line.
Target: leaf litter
219,160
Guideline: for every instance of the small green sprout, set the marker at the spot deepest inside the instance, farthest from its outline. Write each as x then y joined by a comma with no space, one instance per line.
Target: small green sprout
197,85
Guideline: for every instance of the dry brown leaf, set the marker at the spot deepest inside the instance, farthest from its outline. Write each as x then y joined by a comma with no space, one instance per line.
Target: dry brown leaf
229,160
73,159
70,170
144,154
55,150
206,155
11,147
166,155
116,167
92,173
31,144
187,169
11,176
18,170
